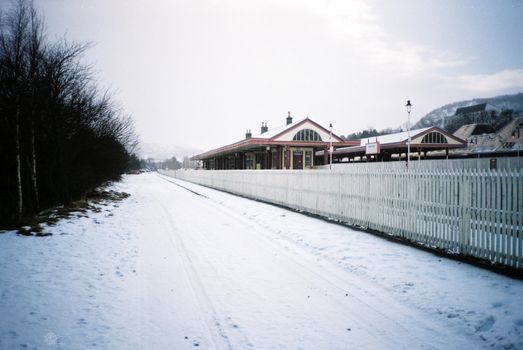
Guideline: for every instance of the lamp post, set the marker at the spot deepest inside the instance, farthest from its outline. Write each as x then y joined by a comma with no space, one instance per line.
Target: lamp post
330,146
516,143
409,107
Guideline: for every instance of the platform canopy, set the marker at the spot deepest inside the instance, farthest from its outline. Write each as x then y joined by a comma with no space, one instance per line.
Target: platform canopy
385,146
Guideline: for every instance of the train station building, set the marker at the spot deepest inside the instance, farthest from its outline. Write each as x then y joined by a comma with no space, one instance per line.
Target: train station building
290,146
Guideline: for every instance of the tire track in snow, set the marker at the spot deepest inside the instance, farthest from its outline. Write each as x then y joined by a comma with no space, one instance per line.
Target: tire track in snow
306,272
163,177
219,320
198,288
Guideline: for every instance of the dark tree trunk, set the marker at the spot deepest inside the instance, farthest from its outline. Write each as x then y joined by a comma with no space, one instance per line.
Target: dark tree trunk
34,181
18,167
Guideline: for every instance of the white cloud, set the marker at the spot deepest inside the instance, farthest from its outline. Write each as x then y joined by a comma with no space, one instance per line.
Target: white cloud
490,83
356,22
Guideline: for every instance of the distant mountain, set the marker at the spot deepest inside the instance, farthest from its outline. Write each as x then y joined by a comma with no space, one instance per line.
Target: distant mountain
160,152
437,116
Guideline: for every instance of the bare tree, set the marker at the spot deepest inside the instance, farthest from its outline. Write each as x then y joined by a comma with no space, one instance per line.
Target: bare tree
60,136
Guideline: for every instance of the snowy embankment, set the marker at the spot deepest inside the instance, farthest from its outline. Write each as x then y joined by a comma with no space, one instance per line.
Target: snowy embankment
176,267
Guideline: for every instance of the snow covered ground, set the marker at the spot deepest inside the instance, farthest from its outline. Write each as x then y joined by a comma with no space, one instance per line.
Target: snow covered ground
179,266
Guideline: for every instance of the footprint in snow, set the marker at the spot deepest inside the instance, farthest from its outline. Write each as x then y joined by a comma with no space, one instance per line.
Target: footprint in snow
496,305
486,324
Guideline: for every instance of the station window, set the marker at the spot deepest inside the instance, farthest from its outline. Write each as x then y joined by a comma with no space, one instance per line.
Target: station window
249,161
308,159
434,137
307,135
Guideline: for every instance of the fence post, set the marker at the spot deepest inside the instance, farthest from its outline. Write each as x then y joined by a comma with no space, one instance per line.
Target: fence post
464,198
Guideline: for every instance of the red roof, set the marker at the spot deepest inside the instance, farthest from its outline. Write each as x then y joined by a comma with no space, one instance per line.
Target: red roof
269,139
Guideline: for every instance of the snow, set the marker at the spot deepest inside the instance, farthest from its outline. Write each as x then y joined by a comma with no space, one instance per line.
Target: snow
168,268
393,138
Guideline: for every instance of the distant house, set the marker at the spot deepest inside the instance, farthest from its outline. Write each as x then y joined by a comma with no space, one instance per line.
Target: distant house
290,146
477,110
483,113
483,138
387,147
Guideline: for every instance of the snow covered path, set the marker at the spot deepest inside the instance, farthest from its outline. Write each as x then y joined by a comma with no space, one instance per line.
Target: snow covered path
178,265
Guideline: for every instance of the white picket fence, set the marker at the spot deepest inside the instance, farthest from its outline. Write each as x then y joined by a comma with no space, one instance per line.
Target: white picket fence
456,208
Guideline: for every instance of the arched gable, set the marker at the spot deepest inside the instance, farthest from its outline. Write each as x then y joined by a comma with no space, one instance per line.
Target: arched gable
289,134
434,137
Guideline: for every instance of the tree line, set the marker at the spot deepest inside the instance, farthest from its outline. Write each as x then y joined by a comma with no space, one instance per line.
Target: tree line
60,136
369,132
166,164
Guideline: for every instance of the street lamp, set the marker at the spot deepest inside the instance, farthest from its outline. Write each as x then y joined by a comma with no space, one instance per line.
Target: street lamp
330,146
516,144
409,107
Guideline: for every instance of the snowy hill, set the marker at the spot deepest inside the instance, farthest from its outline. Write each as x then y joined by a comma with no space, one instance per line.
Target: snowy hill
437,116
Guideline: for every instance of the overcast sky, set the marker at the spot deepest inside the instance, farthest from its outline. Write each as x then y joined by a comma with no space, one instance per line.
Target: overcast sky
198,73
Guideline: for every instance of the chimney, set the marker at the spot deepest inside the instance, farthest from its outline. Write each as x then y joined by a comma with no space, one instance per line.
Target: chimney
289,118
248,134
264,128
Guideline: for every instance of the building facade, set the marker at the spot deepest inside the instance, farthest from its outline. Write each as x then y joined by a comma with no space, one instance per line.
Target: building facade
291,146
